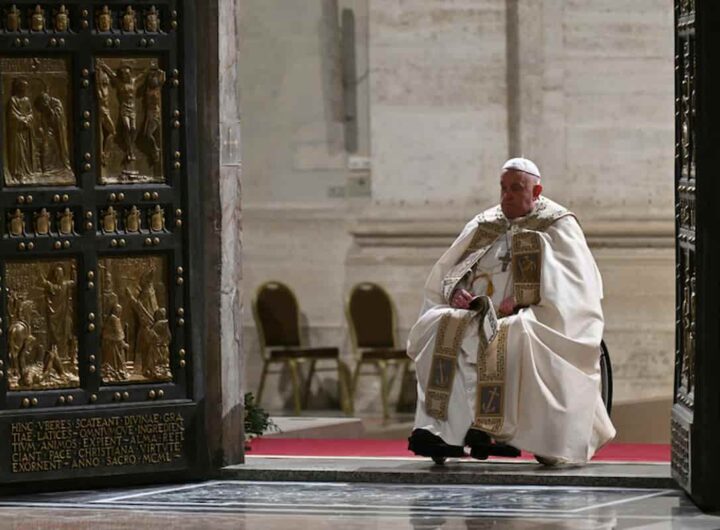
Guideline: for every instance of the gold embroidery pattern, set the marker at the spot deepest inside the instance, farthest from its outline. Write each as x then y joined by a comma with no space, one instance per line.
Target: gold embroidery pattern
526,267
485,235
490,399
451,331
546,212
493,224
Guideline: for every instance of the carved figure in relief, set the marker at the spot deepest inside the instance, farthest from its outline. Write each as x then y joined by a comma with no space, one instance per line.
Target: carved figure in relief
20,337
107,125
67,223
62,19
129,21
157,219
125,86
17,223
109,220
153,100
59,303
104,20
42,222
114,347
20,125
12,22
55,152
158,358
152,20
144,304
109,296
37,22
52,363
132,220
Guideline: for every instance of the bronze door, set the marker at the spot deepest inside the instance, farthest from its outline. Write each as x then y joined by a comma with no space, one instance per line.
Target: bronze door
98,361
696,408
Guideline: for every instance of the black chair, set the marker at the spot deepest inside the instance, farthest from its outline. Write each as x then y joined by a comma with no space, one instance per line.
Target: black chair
372,323
277,318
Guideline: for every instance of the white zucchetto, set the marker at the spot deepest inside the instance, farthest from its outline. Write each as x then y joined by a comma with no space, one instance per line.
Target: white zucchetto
522,164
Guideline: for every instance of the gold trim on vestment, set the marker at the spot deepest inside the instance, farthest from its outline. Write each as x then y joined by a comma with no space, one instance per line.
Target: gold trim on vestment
526,267
490,399
491,224
483,239
448,340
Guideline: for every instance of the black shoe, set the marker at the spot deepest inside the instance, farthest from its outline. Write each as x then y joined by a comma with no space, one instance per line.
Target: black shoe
476,437
508,451
479,442
482,446
424,443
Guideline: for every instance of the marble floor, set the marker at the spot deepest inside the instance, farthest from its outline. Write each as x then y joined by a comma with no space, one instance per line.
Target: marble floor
325,505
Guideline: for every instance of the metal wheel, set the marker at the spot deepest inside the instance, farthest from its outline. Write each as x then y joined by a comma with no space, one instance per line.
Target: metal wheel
606,376
439,460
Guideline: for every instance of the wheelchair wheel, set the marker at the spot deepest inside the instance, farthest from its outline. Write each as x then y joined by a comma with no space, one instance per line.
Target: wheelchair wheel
606,376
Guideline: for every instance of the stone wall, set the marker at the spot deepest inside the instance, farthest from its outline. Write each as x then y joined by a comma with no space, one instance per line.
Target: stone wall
218,117
583,87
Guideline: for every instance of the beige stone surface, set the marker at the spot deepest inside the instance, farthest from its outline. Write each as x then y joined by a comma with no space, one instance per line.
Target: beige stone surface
594,109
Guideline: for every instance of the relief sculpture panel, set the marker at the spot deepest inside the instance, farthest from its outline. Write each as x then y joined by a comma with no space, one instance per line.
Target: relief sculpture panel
129,101
42,339
36,121
135,332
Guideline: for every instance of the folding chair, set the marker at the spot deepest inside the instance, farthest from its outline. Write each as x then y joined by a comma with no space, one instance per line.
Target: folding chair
277,318
372,322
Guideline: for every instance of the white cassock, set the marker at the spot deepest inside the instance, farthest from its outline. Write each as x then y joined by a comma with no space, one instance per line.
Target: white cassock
531,379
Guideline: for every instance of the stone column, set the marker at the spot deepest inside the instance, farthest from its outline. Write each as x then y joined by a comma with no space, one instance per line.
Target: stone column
218,148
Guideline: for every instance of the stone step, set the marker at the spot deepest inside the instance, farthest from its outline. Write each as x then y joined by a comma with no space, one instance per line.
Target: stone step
316,427
455,471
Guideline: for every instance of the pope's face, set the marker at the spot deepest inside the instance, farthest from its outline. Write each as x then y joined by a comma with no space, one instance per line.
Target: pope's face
518,193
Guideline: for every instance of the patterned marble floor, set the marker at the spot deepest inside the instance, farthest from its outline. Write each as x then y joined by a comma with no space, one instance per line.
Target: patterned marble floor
299,505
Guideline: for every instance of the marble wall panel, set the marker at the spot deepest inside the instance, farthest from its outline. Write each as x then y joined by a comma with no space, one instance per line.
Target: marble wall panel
437,95
435,154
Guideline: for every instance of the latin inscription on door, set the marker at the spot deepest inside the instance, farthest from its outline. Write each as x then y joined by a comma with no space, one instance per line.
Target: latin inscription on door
81,443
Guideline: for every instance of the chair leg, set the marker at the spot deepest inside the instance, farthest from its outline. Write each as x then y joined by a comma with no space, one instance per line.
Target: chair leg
346,402
262,381
355,377
295,378
308,383
384,387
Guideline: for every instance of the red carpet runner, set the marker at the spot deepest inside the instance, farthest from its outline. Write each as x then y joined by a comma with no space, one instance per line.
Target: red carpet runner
615,452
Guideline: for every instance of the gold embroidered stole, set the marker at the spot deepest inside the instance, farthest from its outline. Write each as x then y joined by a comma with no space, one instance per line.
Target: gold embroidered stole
450,333
491,225
490,397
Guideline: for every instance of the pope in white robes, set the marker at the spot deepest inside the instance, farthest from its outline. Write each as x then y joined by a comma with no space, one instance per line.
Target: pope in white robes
507,343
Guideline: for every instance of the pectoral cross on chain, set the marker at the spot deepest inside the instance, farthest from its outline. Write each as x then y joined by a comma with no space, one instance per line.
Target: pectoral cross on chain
506,259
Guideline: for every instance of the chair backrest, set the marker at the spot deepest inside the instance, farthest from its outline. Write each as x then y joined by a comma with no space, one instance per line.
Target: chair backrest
371,316
276,315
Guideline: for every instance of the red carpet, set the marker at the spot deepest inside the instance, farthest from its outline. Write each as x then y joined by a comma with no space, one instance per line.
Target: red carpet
398,448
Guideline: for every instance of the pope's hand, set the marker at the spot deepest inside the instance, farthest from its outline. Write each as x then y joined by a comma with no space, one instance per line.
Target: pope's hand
507,307
461,299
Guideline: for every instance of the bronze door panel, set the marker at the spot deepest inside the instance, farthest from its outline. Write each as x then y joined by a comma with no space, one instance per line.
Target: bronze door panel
134,331
37,104
99,344
129,105
42,338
